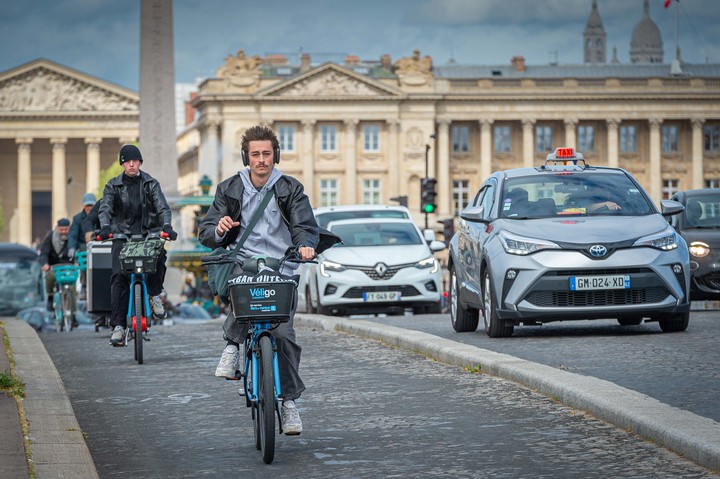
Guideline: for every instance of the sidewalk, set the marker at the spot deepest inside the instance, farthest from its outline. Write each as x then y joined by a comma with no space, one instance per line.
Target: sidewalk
58,448
57,445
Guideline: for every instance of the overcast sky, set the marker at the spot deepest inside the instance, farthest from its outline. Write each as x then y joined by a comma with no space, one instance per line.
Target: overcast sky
101,37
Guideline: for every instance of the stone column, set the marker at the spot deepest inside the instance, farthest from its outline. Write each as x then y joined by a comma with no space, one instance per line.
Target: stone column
157,93
92,164
443,168
697,153
570,133
613,142
24,191
485,148
393,158
59,179
208,163
528,146
351,161
309,160
655,176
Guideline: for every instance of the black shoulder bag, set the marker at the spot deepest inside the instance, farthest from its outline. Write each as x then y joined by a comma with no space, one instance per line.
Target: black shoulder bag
218,273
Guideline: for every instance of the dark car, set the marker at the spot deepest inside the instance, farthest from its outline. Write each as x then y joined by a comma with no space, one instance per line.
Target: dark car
20,278
699,225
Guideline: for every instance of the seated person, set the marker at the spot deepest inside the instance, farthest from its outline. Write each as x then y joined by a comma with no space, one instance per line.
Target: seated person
593,200
693,213
518,202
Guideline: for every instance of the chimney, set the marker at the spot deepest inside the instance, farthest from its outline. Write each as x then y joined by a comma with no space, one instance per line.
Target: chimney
189,109
352,60
518,62
386,61
305,62
275,59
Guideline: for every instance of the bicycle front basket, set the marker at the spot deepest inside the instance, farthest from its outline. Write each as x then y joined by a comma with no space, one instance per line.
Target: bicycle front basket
145,252
266,300
66,273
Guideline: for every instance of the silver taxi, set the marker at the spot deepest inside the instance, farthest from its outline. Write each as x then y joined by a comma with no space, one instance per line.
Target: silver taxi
567,241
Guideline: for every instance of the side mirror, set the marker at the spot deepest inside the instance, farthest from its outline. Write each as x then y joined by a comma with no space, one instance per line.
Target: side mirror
474,214
429,235
437,246
670,207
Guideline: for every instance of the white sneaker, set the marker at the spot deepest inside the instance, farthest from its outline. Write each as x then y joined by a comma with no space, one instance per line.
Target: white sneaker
157,307
291,423
117,338
228,362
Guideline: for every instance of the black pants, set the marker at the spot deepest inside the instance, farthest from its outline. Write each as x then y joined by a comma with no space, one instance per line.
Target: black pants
120,285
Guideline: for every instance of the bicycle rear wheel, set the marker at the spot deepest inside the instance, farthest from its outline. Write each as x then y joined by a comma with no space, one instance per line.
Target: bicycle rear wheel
266,400
137,323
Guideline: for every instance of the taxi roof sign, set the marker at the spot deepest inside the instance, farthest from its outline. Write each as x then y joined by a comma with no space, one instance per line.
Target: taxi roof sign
565,156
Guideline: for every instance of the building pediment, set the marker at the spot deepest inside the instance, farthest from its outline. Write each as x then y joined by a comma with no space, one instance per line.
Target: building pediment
42,86
327,81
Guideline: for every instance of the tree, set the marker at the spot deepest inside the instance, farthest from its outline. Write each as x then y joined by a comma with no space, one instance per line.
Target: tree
107,174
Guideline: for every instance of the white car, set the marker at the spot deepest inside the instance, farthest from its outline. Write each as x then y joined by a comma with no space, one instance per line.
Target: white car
326,214
384,265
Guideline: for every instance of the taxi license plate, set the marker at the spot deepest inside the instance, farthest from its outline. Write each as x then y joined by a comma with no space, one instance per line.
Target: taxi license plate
580,283
381,296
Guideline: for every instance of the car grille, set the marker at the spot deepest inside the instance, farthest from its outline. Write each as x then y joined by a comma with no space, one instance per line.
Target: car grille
711,281
617,297
604,271
391,271
405,291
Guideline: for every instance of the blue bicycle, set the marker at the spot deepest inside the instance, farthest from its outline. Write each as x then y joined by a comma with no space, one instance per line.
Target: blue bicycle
64,296
137,258
262,298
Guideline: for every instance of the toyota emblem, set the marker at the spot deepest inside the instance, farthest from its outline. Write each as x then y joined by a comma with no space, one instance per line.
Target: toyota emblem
598,250
381,269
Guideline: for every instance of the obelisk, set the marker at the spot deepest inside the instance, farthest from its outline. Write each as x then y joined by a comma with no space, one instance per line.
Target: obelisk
157,94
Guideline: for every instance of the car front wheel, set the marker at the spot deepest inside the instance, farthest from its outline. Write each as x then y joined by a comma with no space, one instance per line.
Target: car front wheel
462,320
675,323
494,326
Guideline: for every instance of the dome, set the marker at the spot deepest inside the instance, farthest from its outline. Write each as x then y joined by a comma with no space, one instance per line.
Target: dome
646,45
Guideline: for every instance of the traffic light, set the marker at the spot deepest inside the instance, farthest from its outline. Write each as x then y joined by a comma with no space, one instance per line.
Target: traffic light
448,229
427,195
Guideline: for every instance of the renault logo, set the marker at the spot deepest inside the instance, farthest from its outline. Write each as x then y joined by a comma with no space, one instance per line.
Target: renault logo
598,250
381,269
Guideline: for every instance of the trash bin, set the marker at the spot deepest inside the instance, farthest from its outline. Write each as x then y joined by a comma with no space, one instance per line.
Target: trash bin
99,271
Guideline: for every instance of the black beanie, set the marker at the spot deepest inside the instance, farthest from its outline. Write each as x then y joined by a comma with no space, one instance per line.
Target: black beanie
63,222
130,152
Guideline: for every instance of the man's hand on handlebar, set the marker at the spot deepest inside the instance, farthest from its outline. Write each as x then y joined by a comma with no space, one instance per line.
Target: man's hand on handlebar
169,233
105,233
306,252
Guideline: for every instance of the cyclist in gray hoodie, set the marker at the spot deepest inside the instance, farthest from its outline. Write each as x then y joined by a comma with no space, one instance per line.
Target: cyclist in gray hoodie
288,221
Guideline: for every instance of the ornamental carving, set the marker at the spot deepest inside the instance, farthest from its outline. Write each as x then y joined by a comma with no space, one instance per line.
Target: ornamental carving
414,71
330,83
240,70
46,90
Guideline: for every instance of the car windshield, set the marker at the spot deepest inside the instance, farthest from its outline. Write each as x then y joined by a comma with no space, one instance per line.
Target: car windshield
703,211
571,194
377,234
324,218
19,283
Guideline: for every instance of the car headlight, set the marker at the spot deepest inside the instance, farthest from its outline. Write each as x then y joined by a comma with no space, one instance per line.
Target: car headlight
665,240
430,262
326,267
521,245
699,249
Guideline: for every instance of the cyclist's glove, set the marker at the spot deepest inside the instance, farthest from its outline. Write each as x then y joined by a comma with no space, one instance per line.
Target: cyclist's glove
71,253
104,233
172,235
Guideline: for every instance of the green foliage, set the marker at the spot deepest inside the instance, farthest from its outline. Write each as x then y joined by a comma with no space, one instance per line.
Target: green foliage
10,383
107,174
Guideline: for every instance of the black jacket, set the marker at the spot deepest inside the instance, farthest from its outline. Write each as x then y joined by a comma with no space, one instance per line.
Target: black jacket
91,221
115,202
76,237
48,254
291,199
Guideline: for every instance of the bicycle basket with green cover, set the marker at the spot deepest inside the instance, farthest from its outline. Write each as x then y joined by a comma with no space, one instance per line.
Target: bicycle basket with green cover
147,251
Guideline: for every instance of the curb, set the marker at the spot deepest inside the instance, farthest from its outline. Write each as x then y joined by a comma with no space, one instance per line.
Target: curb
693,436
57,444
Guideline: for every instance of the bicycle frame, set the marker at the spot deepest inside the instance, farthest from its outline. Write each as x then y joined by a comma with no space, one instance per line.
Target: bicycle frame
66,276
255,331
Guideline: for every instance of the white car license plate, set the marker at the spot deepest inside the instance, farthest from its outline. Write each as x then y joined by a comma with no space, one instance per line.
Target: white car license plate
381,296
619,281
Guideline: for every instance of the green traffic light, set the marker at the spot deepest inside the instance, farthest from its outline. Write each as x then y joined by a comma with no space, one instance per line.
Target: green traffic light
429,208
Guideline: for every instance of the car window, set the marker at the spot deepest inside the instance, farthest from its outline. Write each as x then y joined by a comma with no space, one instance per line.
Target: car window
324,218
570,193
377,234
703,211
488,200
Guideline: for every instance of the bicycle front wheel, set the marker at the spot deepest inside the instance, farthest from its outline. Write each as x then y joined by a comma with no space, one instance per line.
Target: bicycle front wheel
57,305
266,400
137,323
67,310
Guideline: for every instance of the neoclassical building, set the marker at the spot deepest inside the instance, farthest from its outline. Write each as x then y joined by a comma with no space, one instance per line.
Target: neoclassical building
58,128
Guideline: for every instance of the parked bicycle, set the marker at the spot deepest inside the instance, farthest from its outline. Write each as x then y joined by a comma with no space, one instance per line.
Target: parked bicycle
137,258
65,296
262,298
